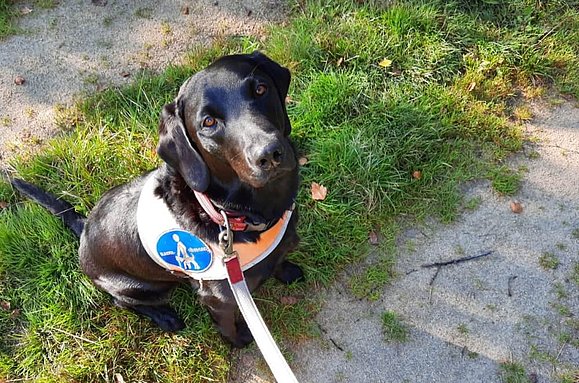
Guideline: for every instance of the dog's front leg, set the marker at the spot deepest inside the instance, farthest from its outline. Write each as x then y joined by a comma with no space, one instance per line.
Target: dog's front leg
217,297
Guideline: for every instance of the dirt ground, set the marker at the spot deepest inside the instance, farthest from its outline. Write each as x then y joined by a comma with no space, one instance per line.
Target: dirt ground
507,306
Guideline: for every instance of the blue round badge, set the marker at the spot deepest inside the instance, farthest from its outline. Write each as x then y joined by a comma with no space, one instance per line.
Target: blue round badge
183,249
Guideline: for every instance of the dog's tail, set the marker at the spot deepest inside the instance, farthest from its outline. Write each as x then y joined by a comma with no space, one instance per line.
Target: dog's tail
58,207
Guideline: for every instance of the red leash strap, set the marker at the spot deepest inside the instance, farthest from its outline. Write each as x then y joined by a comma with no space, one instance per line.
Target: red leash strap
234,269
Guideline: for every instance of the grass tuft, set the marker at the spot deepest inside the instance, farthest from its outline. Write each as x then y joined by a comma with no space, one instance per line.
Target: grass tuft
393,328
512,372
505,181
548,261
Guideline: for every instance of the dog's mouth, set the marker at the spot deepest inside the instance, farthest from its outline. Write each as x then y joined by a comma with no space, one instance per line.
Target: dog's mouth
234,210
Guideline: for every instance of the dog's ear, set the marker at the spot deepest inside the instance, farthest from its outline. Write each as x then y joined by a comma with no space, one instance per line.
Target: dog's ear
281,77
176,149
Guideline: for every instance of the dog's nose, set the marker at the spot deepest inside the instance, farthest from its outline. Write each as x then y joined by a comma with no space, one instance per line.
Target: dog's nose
269,156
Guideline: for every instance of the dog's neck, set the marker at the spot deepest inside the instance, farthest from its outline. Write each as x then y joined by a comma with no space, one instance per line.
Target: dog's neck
266,204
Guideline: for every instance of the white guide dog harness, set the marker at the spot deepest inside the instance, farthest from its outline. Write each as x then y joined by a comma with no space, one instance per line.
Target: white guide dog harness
180,251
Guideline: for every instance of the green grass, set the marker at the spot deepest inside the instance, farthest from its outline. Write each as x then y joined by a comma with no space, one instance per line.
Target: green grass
504,180
575,274
548,261
393,328
445,107
7,14
569,377
512,372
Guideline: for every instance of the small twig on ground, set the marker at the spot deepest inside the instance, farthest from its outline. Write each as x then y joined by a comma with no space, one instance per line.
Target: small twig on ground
560,147
509,283
323,330
336,345
73,335
455,261
423,233
435,275
560,351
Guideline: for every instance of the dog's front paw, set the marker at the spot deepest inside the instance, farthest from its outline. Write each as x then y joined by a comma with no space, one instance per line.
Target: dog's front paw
243,337
288,272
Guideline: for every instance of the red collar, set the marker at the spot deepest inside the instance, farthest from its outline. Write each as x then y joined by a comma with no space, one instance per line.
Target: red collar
236,222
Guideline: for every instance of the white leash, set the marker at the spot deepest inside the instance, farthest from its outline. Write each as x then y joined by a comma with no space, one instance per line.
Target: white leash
271,353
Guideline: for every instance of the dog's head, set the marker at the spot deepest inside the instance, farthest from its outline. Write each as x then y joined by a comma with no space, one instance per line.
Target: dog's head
229,122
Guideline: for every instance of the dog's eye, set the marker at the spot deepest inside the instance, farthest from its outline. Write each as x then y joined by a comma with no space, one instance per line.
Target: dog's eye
209,122
260,89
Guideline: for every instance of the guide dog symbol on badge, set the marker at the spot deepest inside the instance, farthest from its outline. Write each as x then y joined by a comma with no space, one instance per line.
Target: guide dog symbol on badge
183,249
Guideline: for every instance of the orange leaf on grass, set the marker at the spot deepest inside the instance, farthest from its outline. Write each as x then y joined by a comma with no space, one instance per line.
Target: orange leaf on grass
319,192
373,238
289,300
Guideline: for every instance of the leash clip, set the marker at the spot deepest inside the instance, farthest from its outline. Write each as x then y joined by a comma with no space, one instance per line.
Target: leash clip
226,238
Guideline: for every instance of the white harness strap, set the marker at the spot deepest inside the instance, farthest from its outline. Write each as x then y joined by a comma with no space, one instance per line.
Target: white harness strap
180,251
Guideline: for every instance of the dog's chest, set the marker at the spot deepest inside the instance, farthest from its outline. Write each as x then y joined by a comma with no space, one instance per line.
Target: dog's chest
182,252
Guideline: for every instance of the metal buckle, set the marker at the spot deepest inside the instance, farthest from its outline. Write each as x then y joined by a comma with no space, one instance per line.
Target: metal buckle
226,238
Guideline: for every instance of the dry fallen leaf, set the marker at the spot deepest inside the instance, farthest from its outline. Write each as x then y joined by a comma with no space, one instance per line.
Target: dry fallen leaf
516,207
340,61
385,63
288,300
319,192
471,86
5,305
302,161
288,99
119,378
19,80
3,204
373,238
25,11
417,174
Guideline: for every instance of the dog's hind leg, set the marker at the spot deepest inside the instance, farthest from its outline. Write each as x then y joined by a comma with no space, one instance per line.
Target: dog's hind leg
287,272
143,298
219,301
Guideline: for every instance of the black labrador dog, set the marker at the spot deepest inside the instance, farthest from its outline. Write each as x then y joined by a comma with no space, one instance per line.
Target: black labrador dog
226,135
